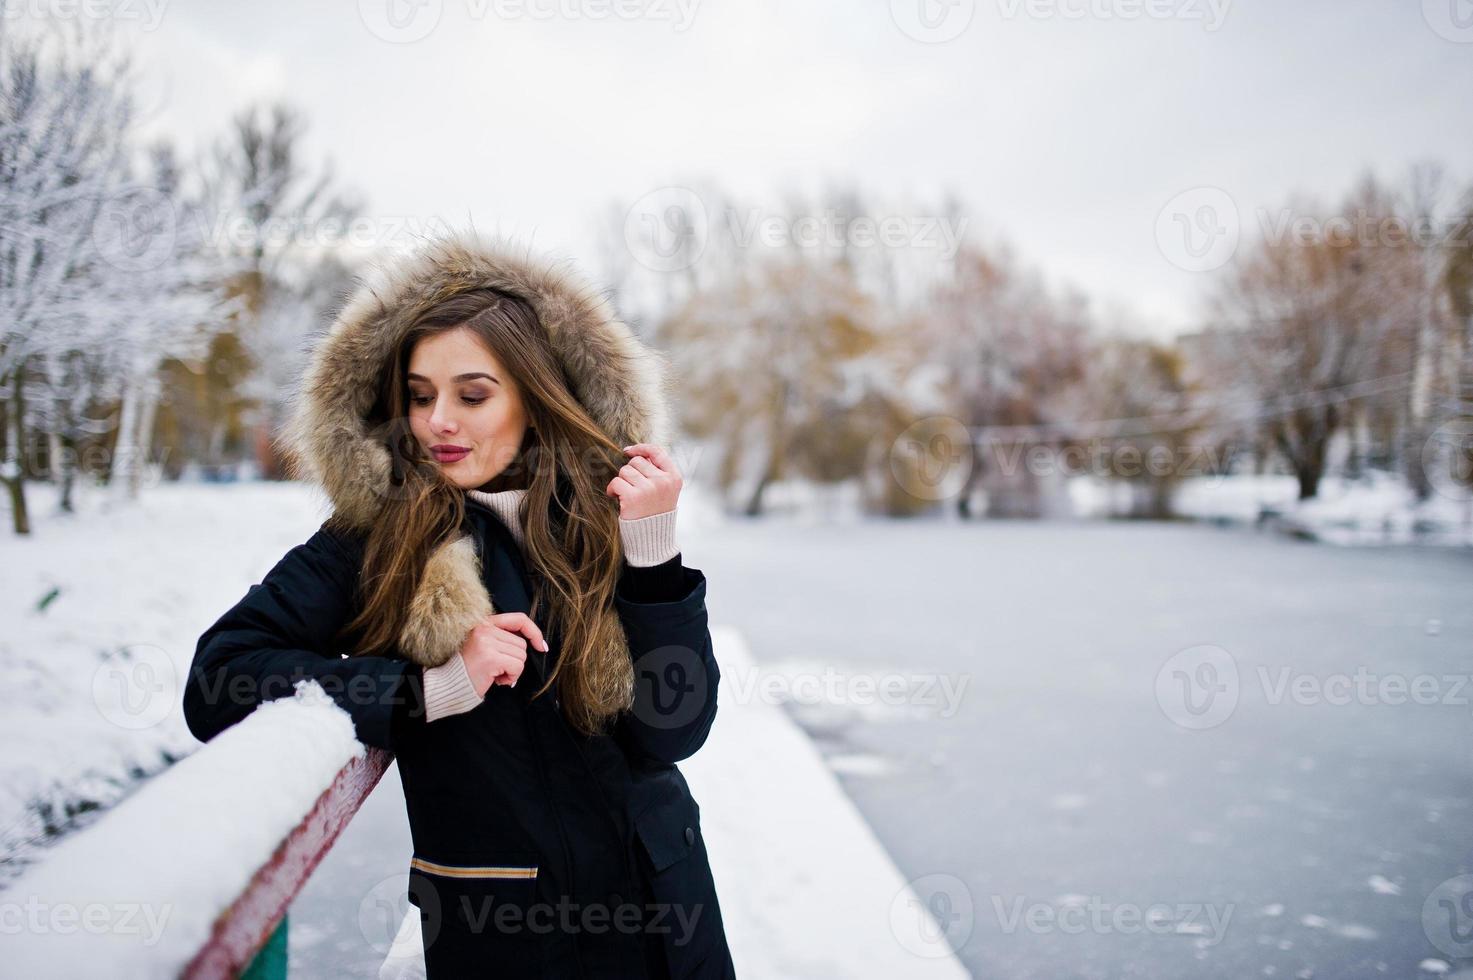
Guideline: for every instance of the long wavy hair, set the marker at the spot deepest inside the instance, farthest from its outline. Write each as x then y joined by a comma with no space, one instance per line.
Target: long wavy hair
571,528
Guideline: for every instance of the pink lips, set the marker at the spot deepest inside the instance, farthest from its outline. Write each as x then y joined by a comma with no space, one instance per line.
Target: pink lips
447,454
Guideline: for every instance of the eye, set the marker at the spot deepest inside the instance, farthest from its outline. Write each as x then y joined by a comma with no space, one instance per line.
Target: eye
473,401
420,399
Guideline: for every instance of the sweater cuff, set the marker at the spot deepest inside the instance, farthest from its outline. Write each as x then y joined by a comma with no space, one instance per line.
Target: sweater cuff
649,540
448,689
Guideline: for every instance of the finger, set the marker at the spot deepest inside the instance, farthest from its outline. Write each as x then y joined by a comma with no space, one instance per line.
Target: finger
513,647
635,477
516,622
645,466
657,455
621,486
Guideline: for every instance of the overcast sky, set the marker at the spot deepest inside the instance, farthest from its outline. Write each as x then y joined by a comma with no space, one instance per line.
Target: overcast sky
1066,126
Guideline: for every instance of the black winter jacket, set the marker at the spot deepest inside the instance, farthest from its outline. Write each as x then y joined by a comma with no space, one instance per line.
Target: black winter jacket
538,852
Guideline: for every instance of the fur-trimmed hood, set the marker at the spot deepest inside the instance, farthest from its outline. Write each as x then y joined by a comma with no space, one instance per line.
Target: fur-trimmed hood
622,383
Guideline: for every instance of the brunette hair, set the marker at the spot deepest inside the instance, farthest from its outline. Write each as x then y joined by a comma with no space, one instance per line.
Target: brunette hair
571,528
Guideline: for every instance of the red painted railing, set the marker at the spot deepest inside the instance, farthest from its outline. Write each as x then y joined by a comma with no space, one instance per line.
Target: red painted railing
243,929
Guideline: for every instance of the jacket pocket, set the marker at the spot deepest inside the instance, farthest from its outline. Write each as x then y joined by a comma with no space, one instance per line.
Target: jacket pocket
687,917
497,871
668,831
475,905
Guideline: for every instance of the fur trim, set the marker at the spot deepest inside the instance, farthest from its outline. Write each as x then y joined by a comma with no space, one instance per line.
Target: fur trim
621,382
450,600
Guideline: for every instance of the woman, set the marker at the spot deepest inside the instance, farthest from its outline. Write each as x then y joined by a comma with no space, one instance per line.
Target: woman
484,427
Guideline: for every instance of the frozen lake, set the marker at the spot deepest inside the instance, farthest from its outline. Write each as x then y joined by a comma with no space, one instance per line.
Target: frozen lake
1065,815
1067,803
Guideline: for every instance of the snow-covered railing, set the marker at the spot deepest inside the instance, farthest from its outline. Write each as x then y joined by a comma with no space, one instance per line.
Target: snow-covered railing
190,876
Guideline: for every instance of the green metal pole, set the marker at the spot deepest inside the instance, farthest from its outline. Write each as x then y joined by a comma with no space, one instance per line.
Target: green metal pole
270,962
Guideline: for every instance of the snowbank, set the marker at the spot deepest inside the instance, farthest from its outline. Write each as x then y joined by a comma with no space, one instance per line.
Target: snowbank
140,890
1379,508
102,611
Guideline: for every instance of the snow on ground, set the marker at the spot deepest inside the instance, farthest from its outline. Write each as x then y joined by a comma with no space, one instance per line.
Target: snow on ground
141,889
1378,509
103,610
103,661
807,888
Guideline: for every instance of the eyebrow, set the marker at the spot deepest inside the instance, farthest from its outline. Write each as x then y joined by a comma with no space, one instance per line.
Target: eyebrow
458,378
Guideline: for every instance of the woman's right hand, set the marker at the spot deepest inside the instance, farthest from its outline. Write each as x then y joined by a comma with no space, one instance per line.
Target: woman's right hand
495,650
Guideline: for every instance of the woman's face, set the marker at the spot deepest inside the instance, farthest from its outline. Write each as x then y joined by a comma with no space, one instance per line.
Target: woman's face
464,409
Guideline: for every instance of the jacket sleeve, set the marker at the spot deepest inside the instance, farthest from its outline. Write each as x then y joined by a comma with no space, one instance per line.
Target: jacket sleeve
675,671
282,632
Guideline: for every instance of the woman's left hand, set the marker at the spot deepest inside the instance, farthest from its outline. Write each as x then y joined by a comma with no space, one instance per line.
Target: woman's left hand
647,485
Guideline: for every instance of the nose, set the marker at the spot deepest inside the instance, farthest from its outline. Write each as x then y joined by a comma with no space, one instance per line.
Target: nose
440,420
